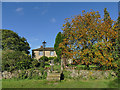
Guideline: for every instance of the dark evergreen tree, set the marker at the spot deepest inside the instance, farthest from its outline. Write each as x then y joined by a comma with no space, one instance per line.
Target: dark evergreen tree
58,40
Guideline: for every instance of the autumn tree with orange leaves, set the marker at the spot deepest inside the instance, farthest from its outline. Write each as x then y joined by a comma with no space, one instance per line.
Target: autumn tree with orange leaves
90,39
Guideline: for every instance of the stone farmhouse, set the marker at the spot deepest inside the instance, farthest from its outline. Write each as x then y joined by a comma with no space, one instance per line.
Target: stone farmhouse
49,52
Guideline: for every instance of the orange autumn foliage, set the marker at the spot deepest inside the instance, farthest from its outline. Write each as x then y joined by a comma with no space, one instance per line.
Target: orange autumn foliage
90,38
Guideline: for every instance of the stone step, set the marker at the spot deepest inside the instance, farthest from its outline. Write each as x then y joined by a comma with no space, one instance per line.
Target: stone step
53,76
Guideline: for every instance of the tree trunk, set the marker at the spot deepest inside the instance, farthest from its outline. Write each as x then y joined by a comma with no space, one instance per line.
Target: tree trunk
61,64
64,62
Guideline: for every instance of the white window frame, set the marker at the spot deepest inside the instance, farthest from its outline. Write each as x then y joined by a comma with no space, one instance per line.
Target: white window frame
51,52
41,53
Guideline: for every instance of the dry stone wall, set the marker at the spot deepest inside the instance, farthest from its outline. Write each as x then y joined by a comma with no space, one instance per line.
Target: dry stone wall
91,74
15,74
81,74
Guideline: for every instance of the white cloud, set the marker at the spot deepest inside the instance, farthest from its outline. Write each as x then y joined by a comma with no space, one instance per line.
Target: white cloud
19,9
44,12
33,39
37,47
53,20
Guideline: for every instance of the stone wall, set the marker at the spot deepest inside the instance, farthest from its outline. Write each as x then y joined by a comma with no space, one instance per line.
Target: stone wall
91,74
81,74
15,74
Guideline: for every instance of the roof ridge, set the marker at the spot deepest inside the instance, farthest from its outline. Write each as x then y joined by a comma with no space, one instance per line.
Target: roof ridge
49,48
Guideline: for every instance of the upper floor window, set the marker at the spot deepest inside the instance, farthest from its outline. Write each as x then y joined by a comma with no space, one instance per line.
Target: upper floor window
51,53
40,53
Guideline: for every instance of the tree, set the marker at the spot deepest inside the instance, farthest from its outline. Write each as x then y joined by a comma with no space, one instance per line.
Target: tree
107,16
11,41
15,60
89,38
58,40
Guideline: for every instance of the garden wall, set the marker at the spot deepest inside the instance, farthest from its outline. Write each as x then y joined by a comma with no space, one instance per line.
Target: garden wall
21,74
81,74
91,74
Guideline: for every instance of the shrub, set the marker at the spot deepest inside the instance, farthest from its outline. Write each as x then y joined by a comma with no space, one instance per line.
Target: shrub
35,63
42,64
47,63
15,60
22,75
44,58
32,74
57,60
51,58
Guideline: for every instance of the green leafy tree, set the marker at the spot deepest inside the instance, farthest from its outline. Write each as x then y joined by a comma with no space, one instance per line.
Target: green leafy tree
58,40
15,60
12,41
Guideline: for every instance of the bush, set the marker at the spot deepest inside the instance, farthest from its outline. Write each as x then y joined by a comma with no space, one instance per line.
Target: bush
35,63
22,75
15,60
42,64
57,60
44,58
47,63
51,58
32,74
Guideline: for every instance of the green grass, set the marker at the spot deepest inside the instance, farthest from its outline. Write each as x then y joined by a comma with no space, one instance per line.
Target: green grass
56,67
84,66
52,84
71,65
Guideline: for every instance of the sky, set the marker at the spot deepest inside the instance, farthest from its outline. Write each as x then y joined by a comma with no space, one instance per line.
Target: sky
39,21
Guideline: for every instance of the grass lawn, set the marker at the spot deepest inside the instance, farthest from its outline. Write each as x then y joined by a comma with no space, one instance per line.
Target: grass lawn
63,84
84,66
58,66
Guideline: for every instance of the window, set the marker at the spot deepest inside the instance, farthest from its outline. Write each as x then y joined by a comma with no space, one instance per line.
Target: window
41,53
51,53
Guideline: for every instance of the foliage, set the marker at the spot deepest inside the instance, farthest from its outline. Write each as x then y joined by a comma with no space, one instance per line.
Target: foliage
51,58
44,58
66,74
42,64
11,41
32,74
58,40
35,63
57,68
56,59
22,75
42,61
91,39
15,60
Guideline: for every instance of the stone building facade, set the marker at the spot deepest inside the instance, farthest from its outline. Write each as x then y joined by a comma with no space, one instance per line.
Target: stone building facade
49,52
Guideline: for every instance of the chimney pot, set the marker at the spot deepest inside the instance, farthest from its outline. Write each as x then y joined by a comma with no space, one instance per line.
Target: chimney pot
41,46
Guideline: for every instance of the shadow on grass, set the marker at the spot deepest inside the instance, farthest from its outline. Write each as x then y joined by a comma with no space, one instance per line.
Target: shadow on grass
62,76
114,84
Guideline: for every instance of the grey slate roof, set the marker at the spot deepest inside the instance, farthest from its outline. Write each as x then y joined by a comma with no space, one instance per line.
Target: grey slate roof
46,49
